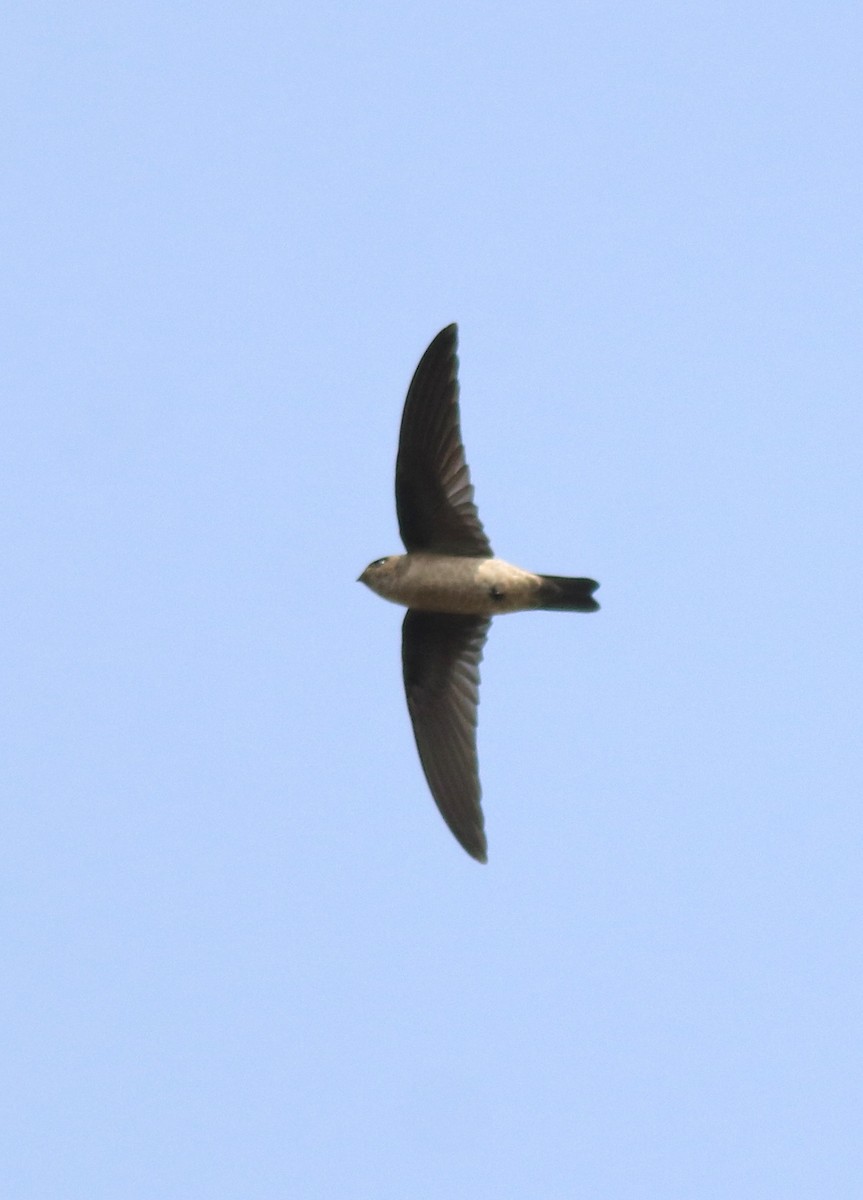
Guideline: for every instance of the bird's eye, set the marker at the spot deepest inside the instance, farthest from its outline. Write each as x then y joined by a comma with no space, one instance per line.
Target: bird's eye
379,562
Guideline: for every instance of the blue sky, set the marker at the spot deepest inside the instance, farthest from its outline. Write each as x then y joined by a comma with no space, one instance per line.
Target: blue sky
242,954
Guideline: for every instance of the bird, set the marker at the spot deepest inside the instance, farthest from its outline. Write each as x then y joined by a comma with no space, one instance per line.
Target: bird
452,585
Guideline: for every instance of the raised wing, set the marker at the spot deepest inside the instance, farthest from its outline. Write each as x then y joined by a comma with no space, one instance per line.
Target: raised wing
434,495
441,653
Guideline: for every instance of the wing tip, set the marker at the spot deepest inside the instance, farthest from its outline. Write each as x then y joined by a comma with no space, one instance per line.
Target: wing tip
449,334
473,844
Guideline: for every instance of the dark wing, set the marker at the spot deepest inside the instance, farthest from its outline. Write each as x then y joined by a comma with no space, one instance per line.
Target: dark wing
440,657
434,496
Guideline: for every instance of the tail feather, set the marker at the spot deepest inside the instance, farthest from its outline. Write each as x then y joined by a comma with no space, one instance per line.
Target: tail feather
568,595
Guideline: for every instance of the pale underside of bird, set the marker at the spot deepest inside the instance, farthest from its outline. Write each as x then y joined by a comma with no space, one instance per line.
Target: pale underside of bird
452,585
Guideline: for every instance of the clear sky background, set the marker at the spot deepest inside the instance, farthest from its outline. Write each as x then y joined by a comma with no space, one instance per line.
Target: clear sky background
241,954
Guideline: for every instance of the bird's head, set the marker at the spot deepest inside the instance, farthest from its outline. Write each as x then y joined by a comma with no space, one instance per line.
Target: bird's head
380,574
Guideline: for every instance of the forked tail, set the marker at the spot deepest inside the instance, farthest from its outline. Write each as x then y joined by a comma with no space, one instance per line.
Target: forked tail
568,595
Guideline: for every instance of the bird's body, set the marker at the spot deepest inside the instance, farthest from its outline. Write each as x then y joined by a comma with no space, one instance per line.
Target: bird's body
479,587
452,585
